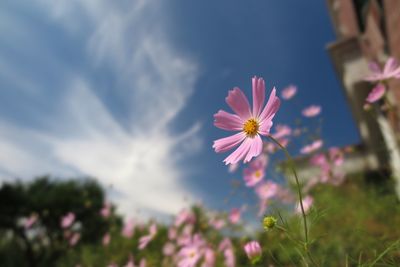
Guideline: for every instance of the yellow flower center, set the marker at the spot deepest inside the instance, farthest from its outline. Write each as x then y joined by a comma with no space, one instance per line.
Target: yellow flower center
250,127
257,174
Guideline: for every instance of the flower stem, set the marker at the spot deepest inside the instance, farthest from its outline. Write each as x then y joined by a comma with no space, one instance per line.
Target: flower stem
291,163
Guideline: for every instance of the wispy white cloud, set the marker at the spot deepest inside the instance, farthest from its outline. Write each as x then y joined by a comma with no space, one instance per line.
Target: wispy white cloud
82,136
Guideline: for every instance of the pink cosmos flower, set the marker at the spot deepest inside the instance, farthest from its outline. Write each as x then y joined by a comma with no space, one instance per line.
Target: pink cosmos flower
376,94
230,260
67,220
106,210
289,92
253,251
218,224
191,253
250,123
106,239
145,240
311,111
172,233
128,229
234,215
314,146
209,258
256,171
31,220
307,203
267,190
282,130
169,249
318,160
130,263
143,263
390,70
185,216
336,156
74,239
189,256
225,244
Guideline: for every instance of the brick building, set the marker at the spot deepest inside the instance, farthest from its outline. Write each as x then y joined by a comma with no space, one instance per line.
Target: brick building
368,30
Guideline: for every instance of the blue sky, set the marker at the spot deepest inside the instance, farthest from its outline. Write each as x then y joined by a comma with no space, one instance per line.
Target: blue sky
125,90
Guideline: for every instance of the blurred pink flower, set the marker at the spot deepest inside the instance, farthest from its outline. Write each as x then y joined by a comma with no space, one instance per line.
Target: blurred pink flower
169,249
172,233
307,203
234,215
191,253
314,146
281,130
129,228
267,190
253,174
184,216
336,156
145,240
106,210
143,263
390,70
67,220
230,260
31,220
106,239
251,124
209,258
318,160
253,251
376,94
289,92
225,244
130,263
74,239
217,223
311,111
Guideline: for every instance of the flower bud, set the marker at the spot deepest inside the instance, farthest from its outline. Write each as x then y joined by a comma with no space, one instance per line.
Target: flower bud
269,222
253,251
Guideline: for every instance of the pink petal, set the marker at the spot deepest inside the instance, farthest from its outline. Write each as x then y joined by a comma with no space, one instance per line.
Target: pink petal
228,121
265,127
227,143
374,67
239,103
377,93
289,92
258,95
255,148
311,111
271,108
391,64
239,153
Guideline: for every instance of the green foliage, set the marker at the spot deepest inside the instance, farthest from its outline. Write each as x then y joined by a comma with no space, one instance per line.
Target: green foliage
50,200
355,224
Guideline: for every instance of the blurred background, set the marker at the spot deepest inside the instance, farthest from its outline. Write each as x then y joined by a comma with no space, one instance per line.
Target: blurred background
125,91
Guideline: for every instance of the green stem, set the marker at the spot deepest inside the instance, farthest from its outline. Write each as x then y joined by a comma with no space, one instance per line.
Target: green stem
289,235
291,163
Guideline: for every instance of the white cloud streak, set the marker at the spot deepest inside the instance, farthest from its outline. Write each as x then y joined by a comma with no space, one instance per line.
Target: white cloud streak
140,161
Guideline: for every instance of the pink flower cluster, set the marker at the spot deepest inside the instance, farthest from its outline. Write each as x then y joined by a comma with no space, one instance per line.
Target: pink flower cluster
329,165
